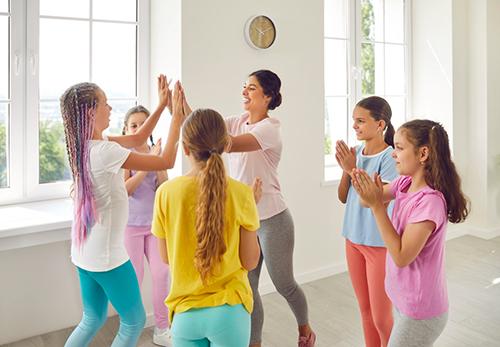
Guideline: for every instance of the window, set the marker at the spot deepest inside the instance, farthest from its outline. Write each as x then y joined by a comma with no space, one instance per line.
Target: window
66,42
366,48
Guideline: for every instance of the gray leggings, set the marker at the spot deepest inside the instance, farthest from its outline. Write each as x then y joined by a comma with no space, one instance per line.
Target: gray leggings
276,238
409,332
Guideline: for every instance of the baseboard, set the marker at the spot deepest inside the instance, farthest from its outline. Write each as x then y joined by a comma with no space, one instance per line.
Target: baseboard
309,276
457,230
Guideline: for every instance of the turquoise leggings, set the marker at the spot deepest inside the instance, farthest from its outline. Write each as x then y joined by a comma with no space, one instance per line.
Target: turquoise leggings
120,287
219,326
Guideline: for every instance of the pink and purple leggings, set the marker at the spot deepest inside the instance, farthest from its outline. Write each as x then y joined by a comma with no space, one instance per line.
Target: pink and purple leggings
139,243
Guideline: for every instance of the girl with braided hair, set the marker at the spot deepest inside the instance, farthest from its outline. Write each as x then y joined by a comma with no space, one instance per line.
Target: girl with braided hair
427,195
101,207
207,222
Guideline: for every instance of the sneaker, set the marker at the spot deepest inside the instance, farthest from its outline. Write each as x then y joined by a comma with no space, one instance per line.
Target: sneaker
161,337
307,341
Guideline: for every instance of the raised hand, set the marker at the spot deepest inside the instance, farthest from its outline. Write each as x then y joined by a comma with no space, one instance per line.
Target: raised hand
187,109
164,93
177,105
345,156
156,149
257,189
370,191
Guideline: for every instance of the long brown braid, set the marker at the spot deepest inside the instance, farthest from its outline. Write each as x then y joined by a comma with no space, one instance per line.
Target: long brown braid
205,135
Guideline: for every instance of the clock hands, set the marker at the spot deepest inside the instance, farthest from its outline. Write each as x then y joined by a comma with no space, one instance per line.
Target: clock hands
262,32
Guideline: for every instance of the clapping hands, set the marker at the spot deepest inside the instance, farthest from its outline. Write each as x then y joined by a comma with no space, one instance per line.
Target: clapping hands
370,191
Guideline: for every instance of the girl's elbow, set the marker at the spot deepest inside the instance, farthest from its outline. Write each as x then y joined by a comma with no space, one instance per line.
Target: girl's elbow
249,265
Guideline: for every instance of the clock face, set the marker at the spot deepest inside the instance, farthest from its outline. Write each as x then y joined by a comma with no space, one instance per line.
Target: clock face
261,32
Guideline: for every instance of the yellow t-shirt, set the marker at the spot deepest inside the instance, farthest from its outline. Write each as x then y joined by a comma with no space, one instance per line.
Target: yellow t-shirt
174,221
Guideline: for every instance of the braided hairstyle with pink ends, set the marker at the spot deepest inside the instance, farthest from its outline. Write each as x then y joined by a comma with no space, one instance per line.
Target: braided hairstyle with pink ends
78,108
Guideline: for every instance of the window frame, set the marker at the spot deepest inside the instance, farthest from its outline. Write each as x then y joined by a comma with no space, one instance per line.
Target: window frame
24,96
353,71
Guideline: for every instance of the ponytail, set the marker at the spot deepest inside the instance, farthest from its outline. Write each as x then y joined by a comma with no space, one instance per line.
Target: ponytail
210,216
389,134
204,133
380,110
440,171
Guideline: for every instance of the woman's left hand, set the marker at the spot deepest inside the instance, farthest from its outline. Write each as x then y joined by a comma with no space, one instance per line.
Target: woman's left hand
370,191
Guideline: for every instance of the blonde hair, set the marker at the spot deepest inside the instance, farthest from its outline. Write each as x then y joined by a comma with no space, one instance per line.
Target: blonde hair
204,134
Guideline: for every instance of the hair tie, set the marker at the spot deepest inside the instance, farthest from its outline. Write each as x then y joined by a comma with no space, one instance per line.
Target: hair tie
212,151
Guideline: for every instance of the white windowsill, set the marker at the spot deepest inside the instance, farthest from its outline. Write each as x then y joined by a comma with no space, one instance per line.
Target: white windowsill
36,223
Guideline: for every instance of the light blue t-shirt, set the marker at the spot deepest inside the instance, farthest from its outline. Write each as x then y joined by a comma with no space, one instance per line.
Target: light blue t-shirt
359,224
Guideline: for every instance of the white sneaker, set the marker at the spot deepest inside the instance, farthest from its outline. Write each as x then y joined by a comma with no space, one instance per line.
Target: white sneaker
161,337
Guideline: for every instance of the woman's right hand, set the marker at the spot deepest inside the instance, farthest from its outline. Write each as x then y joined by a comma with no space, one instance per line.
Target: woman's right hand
177,103
257,189
346,157
156,149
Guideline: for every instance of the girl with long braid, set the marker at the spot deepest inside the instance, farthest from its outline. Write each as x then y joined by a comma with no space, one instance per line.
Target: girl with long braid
208,223
101,207
427,195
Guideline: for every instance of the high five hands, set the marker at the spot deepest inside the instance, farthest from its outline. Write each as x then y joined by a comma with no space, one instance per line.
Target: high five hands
370,191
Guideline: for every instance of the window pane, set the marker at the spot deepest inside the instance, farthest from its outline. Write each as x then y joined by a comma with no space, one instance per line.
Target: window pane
53,159
372,65
4,57
398,107
64,57
336,14
4,145
394,21
125,10
114,59
335,122
335,67
4,5
394,70
372,20
65,8
119,108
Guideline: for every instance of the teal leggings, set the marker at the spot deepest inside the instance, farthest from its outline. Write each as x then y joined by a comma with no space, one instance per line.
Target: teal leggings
219,326
119,286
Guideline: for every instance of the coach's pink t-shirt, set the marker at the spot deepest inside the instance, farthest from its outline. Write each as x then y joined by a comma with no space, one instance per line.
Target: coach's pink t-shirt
263,163
418,290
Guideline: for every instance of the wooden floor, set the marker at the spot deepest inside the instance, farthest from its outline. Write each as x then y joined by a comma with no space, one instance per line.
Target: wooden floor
473,266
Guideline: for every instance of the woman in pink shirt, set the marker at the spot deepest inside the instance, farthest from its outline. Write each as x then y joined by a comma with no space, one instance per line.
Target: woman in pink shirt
255,151
427,195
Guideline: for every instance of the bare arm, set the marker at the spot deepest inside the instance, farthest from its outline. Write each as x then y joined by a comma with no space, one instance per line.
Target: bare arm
243,143
344,185
161,176
141,136
166,160
249,249
162,248
132,182
402,249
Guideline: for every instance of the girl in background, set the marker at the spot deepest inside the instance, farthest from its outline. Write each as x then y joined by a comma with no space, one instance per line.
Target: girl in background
101,207
139,242
427,195
365,249
208,223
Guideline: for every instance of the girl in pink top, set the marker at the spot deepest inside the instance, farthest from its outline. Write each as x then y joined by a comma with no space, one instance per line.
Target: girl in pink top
427,195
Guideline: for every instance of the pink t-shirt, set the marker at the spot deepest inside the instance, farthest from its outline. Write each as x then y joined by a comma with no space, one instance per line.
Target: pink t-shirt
419,289
263,163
